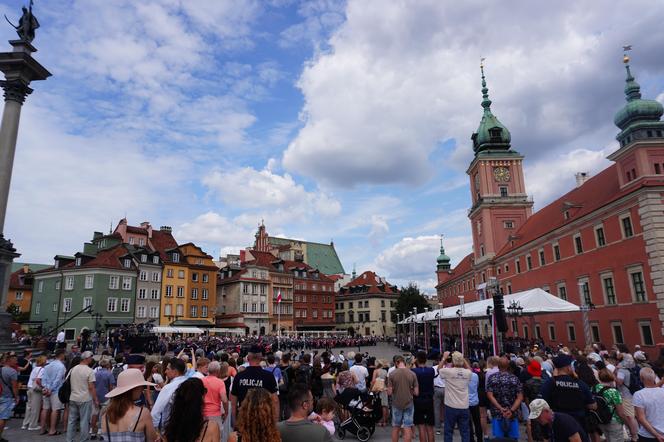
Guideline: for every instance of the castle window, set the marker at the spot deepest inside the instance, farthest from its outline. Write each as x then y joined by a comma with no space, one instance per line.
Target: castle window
508,224
659,133
542,260
529,262
627,229
629,176
494,133
556,252
578,244
503,191
657,169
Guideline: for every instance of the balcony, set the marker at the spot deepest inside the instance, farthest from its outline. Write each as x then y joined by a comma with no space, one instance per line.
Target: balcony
506,200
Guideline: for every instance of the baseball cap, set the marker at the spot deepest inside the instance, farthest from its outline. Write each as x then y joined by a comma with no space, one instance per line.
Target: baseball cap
135,359
86,355
640,356
562,360
534,368
536,408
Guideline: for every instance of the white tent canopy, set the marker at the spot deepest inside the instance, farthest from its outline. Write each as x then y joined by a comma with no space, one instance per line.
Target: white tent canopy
182,330
533,302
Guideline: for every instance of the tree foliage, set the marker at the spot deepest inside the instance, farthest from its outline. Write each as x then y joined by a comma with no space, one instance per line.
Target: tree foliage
410,298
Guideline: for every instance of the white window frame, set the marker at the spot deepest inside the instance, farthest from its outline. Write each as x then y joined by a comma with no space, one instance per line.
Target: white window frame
144,257
553,250
112,304
89,281
205,277
154,312
541,257
622,226
597,229
194,276
127,263
176,257
179,309
66,305
181,274
143,275
204,311
569,327
204,294
18,296
602,277
193,311
114,282
180,292
37,307
584,280
552,328
154,294
142,293
630,271
141,311
169,291
155,259
194,293
40,286
168,310
613,331
57,284
125,305
599,332
652,335
156,276
55,307
87,301
126,283
576,250
69,283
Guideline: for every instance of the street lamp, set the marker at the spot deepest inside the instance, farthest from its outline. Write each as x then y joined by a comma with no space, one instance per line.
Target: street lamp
413,342
440,328
460,313
426,330
586,306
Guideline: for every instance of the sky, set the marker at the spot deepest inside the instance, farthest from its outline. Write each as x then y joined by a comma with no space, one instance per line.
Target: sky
345,121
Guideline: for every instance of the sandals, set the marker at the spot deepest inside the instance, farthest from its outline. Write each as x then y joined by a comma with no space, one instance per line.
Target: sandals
57,433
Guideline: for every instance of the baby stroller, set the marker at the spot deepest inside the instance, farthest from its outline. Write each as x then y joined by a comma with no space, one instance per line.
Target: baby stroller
364,411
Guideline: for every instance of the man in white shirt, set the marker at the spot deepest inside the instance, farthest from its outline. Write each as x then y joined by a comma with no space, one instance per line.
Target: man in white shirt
439,399
162,407
648,405
83,395
60,339
457,403
361,373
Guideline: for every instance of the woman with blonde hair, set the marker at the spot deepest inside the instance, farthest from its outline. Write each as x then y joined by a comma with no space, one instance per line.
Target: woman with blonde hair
379,387
256,419
33,409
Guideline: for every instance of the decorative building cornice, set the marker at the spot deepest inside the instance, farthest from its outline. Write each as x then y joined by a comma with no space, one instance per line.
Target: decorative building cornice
15,90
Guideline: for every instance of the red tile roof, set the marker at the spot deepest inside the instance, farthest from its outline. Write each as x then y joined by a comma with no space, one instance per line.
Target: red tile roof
291,265
595,193
162,241
139,230
371,281
16,280
263,259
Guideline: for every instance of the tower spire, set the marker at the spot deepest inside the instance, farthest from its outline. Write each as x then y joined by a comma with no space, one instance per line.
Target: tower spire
632,88
486,102
443,260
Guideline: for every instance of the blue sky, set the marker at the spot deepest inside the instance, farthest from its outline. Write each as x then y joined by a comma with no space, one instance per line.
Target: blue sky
330,120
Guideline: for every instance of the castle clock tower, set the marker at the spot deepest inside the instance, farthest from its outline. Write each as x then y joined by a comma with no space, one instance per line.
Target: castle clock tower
500,203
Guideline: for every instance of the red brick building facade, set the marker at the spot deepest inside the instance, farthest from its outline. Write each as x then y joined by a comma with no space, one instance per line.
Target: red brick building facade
601,244
313,298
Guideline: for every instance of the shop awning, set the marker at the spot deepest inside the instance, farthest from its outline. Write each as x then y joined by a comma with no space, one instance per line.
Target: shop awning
533,302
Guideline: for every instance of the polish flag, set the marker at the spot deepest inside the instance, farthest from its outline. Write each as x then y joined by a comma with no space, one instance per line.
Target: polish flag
278,296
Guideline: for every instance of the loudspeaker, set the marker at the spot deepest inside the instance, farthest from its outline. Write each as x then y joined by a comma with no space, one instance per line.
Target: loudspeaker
499,311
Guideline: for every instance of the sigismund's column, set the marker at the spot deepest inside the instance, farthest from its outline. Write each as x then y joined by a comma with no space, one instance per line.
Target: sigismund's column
20,69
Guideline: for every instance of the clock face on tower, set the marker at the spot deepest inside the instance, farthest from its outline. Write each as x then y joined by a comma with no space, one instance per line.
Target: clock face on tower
501,174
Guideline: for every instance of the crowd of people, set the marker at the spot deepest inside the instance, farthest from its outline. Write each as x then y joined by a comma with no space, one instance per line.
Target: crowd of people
231,392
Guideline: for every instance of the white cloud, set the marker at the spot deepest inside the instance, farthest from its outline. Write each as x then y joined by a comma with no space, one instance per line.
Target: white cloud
320,18
400,78
250,188
216,230
414,259
548,180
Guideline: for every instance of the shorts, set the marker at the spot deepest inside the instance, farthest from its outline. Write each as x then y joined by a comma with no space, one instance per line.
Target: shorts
52,402
7,405
501,427
424,414
628,406
101,408
403,417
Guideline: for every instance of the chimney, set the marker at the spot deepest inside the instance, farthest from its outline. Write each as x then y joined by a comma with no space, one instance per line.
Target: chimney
165,229
581,178
146,225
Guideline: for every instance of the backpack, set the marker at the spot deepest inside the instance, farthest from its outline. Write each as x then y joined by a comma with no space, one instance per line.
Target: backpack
64,393
287,379
117,369
604,412
635,383
303,374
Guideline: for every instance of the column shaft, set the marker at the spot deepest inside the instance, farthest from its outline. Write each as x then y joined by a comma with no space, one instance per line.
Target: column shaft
8,135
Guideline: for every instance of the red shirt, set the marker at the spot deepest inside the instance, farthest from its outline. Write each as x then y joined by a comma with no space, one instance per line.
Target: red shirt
212,402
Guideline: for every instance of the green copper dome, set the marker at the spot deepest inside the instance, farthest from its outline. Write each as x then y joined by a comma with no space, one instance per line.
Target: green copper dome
491,133
443,260
636,109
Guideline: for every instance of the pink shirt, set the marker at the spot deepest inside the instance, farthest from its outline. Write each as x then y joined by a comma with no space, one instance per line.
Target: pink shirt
215,388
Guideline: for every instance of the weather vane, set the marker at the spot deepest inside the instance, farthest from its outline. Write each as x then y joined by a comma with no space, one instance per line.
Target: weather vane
626,49
26,24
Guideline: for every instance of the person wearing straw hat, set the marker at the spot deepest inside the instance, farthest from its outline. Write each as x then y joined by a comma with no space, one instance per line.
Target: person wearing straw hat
123,420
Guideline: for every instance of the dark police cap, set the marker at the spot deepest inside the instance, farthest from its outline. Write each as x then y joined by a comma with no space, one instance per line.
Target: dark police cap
256,349
562,360
135,359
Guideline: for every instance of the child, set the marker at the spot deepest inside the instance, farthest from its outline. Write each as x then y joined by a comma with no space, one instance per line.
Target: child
324,415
